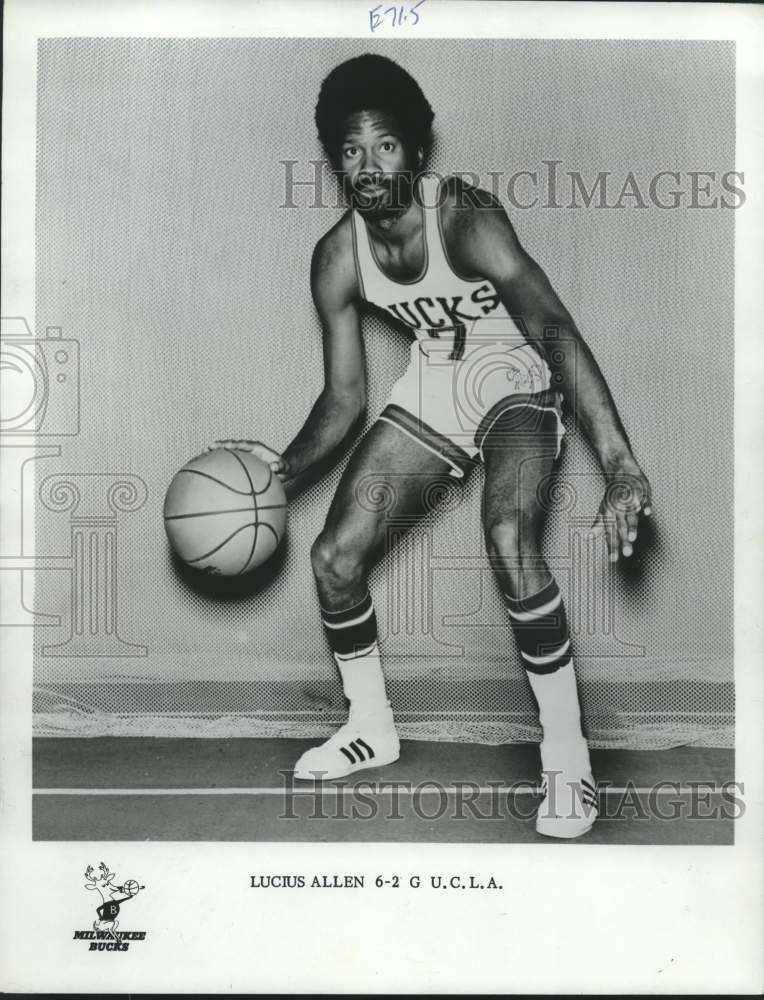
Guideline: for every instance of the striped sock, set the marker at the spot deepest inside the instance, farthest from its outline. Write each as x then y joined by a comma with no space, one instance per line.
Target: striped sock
352,635
541,629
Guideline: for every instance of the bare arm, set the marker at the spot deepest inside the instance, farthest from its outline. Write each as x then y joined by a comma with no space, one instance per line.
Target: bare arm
486,244
342,400
490,246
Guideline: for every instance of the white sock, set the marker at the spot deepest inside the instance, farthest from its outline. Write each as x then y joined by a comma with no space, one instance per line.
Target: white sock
363,681
559,709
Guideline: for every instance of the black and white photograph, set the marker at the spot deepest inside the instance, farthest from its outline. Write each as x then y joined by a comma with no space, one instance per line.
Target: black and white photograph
379,402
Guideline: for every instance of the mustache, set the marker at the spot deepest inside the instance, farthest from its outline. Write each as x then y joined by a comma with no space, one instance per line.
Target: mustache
366,181
366,188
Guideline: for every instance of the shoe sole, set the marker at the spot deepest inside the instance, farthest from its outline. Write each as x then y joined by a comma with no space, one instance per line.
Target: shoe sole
377,761
552,828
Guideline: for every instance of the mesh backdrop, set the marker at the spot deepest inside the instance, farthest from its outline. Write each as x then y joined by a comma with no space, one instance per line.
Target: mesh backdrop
164,250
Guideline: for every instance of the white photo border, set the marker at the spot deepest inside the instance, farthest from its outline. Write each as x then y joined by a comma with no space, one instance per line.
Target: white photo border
632,919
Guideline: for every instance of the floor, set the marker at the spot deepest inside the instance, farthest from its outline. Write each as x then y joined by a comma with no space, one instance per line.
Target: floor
242,790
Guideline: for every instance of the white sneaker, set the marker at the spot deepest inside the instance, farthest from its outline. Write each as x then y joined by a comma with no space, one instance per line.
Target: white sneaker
364,741
569,805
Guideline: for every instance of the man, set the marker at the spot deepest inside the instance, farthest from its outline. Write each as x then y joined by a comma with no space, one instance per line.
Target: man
442,259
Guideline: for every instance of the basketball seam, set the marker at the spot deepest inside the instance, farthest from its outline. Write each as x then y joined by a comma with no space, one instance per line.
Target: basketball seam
220,482
254,511
259,525
254,492
225,541
227,510
248,560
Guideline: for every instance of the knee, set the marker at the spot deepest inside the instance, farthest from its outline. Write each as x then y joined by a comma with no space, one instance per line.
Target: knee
333,558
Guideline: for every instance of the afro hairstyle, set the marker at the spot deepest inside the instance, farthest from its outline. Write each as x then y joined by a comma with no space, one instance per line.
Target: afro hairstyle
371,81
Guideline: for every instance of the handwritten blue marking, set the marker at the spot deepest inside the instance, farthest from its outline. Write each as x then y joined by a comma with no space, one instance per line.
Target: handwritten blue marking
396,15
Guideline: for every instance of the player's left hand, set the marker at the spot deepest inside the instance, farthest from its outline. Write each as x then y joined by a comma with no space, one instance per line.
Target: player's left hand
627,494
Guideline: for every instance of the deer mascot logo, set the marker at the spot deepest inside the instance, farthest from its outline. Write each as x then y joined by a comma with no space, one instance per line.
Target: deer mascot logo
112,896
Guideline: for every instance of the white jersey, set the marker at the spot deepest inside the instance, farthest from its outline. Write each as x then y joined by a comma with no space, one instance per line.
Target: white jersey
439,304
470,362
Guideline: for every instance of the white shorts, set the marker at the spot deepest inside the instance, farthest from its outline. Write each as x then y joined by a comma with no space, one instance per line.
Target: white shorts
449,407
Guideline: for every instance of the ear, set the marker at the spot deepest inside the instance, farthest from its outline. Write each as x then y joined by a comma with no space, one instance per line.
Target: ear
90,886
420,155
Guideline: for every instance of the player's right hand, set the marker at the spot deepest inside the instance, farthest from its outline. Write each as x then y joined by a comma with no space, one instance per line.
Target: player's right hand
258,449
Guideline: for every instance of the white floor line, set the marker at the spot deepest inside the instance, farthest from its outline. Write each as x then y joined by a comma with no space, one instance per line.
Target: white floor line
405,787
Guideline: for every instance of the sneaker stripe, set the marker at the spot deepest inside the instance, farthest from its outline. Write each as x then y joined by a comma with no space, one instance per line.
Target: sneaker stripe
366,747
349,755
356,750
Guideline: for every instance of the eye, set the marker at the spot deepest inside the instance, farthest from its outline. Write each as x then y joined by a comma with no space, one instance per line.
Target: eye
350,151
388,146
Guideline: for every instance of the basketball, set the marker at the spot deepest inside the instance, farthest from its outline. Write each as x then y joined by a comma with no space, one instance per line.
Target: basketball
225,512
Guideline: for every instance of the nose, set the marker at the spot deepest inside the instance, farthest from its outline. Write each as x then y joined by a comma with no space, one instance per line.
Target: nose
369,165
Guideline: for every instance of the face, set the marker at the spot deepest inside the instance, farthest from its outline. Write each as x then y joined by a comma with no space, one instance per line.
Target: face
377,167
